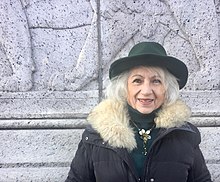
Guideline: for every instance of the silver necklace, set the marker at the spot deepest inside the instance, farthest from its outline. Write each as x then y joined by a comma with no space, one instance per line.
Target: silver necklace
144,135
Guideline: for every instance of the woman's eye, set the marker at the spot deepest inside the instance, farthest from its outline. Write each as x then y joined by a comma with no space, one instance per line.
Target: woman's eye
156,81
137,81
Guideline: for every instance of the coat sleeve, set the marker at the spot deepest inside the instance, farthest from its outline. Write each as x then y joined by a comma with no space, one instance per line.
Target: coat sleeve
81,168
200,171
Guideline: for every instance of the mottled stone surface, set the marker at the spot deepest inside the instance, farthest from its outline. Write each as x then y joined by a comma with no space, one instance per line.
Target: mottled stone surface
33,147
39,174
49,104
54,61
210,143
205,103
16,63
214,168
37,154
211,149
187,29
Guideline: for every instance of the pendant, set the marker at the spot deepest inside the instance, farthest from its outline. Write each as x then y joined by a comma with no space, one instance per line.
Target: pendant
145,136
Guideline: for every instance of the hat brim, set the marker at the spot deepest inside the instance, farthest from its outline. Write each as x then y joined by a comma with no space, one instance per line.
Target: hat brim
173,65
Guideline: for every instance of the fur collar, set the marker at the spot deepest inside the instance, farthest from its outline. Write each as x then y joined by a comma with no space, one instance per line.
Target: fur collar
110,119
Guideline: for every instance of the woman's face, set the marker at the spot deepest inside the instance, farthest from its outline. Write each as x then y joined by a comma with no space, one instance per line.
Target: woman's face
146,90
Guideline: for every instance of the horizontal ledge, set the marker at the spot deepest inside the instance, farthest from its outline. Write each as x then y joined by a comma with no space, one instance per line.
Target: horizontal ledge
81,122
58,164
74,115
217,161
49,94
20,116
205,121
34,165
205,114
43,124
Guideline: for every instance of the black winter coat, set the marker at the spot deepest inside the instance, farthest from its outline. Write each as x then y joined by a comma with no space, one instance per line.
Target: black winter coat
174,156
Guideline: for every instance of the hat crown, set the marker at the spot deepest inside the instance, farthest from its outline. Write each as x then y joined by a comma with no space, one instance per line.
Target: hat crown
147,48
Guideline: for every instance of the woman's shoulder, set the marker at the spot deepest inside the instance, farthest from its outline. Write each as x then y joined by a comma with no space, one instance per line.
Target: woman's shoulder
193,134
91,136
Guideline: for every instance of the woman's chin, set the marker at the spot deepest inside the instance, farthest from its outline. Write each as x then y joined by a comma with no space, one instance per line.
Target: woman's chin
145,111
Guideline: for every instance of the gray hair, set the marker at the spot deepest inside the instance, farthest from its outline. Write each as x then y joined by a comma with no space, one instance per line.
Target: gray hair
117,88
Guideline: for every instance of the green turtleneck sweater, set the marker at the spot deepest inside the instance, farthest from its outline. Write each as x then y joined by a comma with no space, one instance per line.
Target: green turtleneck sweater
142,121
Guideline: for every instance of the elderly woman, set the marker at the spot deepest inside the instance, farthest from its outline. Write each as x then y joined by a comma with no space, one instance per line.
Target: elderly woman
140,131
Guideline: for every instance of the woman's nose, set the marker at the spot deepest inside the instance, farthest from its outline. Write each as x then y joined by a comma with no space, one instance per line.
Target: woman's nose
146,89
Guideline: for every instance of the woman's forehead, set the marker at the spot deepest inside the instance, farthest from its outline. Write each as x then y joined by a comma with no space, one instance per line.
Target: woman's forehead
154,71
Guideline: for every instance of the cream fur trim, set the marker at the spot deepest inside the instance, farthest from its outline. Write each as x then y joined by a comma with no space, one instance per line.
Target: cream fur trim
110,119
174,115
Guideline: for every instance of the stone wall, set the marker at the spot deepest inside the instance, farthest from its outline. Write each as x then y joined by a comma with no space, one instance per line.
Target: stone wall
54,60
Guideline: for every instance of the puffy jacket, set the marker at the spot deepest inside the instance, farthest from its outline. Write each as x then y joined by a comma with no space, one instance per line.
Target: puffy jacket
103,155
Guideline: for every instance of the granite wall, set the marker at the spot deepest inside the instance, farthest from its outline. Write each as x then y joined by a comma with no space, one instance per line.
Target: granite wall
54,60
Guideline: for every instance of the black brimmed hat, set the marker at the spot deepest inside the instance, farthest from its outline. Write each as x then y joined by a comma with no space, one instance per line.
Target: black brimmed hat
150,54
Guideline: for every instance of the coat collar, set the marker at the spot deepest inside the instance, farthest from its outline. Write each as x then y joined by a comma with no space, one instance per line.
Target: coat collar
111,120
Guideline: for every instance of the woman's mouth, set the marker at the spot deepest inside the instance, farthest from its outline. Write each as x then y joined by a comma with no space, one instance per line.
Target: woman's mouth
145,101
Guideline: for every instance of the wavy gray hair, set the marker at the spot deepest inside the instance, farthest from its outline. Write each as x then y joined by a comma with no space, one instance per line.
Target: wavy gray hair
117,88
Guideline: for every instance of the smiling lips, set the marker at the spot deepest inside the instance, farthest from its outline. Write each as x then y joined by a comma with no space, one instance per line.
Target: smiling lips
146,101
